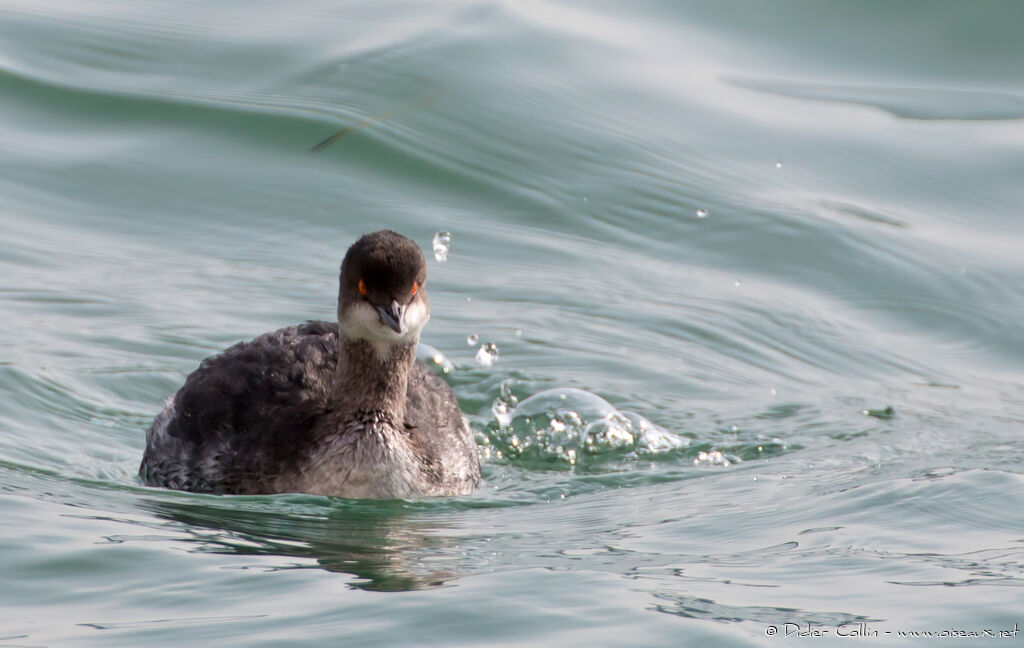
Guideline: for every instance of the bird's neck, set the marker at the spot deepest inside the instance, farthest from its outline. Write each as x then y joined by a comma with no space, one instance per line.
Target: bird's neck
372,379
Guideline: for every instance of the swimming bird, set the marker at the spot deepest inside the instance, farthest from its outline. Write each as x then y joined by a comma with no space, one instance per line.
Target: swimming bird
330,408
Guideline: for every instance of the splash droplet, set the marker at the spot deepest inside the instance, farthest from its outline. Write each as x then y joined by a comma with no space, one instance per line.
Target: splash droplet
702,213
714,458
472,339
501,412
435,357
442,240
778,165
487,354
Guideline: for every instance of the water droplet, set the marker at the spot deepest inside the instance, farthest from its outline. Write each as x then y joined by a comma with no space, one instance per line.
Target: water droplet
501,412
487,354
519,332
778,165
438,359
472,339
702,213
734,428
737,283
442,240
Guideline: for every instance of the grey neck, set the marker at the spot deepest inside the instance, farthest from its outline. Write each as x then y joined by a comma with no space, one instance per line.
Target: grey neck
372,379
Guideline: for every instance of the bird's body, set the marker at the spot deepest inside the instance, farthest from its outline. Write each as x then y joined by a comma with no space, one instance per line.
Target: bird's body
325,408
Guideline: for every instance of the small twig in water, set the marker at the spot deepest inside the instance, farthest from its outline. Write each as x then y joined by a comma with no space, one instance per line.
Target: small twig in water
369,121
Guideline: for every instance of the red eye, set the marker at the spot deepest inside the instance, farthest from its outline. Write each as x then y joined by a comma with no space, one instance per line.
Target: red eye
362,288
415,289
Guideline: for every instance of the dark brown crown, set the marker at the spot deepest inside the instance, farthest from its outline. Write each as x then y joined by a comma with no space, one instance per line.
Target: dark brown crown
387,263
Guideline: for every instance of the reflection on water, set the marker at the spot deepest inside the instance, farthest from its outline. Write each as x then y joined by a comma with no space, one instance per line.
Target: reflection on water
376,542
907,103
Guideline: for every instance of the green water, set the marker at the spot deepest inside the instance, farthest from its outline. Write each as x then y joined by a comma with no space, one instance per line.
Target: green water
741,224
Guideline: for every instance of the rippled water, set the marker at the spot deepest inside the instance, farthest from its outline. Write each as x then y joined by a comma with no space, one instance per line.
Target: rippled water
751,270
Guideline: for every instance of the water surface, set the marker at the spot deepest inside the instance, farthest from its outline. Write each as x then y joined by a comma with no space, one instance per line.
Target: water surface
731,235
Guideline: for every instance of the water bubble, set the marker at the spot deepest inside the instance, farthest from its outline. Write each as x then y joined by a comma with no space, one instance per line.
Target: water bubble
487,354
778,165
576,427
702,213
442,240
472,339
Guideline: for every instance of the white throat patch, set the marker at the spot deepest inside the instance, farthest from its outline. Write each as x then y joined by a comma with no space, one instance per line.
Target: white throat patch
362,322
